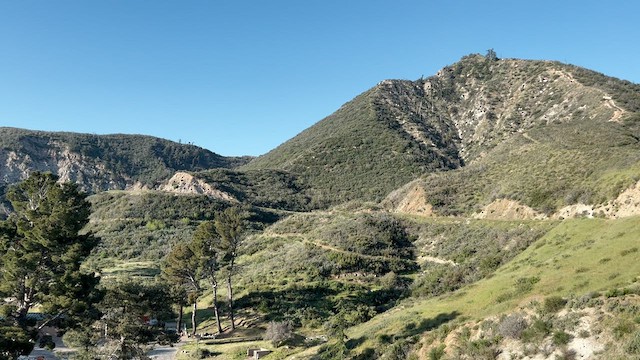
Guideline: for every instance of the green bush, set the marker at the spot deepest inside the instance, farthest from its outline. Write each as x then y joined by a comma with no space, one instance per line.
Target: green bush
553,304
561,338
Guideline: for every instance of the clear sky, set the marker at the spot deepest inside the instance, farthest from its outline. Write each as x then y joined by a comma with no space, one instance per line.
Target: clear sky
240,77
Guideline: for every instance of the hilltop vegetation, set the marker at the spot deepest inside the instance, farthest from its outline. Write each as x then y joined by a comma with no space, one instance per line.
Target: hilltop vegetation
475,120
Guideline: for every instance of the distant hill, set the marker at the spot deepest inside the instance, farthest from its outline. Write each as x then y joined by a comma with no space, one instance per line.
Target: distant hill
101,162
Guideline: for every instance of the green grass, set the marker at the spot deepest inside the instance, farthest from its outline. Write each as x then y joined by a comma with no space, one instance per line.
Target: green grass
146,270
553,259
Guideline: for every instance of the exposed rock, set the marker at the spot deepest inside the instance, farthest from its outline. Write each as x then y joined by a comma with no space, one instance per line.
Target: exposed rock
625,205
414,202
184,183
573,211
504,209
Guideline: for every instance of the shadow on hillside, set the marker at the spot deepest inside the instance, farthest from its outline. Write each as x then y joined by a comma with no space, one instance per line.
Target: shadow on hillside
301,302
427,324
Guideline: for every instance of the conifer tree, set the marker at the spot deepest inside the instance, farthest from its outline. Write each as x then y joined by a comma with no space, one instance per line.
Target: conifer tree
230,226
205,246
181,268
42,249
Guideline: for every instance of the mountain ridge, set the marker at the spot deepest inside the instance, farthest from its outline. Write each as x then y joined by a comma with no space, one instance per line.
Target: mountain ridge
101,162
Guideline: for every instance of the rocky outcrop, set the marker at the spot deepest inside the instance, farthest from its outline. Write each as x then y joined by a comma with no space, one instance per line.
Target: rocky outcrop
185,183
101,162
505,209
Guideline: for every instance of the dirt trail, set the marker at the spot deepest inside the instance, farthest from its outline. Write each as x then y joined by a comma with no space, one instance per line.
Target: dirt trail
526,136
427,258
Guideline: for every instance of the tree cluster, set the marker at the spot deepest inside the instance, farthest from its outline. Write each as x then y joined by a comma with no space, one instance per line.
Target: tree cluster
207,258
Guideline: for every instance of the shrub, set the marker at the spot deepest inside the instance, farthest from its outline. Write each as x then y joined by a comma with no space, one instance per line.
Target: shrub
553,304
278,332
512,326
561,338
525,284
623,328
437,352
538,330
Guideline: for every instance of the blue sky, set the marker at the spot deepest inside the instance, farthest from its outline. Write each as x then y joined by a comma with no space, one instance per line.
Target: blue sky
240,77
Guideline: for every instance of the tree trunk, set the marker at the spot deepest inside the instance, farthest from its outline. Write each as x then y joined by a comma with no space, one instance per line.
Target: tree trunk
193,317
230,298
215,307
179,325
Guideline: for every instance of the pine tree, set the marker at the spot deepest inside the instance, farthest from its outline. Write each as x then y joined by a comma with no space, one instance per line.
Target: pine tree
230,226
205,246
181,269
42,250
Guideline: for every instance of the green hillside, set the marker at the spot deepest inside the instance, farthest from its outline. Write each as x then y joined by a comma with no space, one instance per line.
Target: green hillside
542,122
358,153
577,258
274,189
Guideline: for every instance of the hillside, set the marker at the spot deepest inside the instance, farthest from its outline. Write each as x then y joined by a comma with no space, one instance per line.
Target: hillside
427,219
101,162
362,151
481,117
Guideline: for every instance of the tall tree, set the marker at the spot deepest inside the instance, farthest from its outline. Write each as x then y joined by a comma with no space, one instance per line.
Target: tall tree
230,225
42,250
181,268
205,243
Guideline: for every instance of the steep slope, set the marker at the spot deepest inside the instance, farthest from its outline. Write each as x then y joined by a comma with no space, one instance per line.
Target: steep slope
368,147
578,260
100,162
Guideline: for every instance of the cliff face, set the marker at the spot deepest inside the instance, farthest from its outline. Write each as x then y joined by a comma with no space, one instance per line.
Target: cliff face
92,175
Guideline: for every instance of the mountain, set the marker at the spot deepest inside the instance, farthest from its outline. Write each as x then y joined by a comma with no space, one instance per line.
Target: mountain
426,219
101,162
542,133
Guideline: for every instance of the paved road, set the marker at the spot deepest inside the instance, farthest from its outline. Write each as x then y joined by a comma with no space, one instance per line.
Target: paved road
163,352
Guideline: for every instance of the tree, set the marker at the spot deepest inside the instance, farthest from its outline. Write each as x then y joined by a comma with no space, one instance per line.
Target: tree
204,244
230,226
491,55
181,269
42,250
125,306
278,332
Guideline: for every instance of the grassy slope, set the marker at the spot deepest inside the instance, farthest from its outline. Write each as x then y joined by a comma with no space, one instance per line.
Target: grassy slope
576,257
